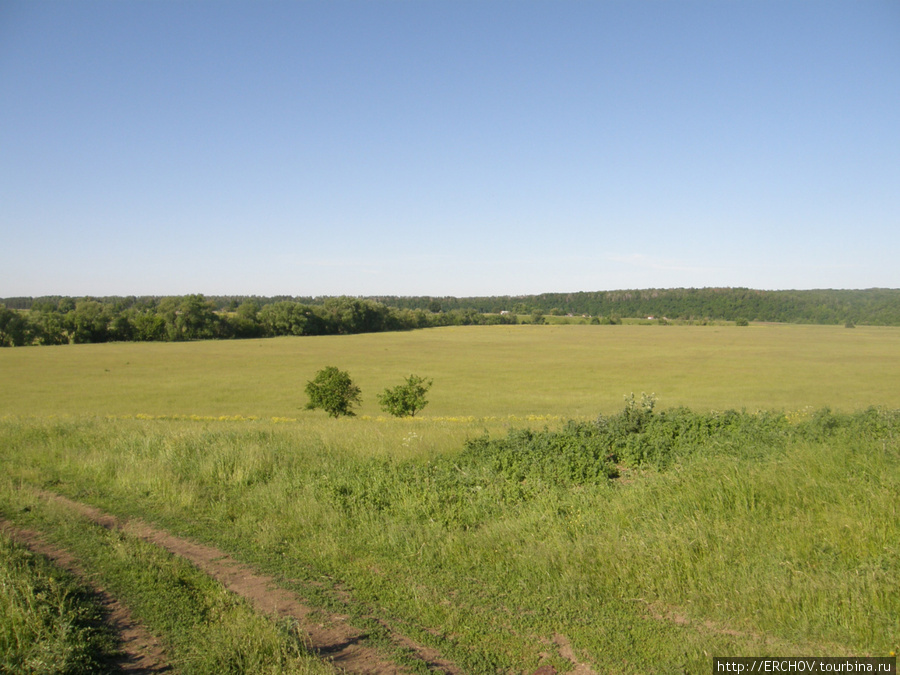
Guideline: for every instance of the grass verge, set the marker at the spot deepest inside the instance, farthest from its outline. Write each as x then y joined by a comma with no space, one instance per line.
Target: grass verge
206,629
49,621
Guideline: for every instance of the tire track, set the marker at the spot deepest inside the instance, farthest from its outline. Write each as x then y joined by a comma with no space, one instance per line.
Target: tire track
331,637
141,652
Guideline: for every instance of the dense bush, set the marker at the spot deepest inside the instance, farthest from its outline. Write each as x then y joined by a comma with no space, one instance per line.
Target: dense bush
576,455
491,474
333,391
406,399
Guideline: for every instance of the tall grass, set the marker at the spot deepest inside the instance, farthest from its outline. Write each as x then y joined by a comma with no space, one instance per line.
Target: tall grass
49,622
206,629
725,533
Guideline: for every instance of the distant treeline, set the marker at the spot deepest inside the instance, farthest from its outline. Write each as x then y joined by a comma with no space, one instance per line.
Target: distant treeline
61,320
876,306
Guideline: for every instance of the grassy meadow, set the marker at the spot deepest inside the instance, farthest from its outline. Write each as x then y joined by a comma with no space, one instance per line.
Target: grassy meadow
716,533
479,371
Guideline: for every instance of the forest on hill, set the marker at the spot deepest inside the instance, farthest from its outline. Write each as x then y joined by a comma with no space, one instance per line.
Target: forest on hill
62,320
875,306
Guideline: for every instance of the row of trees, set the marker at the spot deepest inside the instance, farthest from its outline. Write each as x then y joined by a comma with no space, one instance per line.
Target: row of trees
61,320
875,306
53,321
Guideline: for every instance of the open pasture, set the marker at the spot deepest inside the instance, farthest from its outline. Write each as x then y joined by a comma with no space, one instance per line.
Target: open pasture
717,534
496,371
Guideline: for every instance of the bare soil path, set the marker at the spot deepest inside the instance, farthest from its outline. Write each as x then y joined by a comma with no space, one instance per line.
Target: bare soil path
142,653
329,635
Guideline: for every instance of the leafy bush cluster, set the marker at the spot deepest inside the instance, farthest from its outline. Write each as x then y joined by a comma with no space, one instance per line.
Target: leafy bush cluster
574,456
405,400
492,474
333,391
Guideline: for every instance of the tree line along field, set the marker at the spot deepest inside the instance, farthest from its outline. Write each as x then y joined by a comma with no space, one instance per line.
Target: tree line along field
488,529
56,320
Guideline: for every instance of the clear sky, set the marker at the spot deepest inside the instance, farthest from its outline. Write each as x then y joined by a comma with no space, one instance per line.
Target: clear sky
447,147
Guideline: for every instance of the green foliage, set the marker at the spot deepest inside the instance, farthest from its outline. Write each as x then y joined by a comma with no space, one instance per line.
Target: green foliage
741,322
485,552
195,319
49,327
405,400
57,320
490,474
284,318
875,306
14,328
245,322
333,391
149,328
90,322
49,623
574,455
207,630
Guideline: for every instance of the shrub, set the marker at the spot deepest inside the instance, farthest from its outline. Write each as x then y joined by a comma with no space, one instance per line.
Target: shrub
405,400
333,391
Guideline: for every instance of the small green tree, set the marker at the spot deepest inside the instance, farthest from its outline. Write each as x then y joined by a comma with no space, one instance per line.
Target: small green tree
405,400
333,391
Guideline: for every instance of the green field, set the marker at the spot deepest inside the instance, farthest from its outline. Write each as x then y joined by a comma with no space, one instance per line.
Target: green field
570,371
745,533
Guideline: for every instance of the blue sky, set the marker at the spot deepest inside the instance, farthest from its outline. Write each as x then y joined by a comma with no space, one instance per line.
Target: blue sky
447,148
